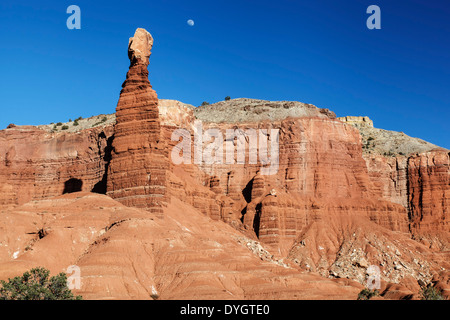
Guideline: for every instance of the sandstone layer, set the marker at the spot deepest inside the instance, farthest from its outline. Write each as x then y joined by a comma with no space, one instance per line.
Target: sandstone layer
35,164
129,253
410,172
429,191
138,164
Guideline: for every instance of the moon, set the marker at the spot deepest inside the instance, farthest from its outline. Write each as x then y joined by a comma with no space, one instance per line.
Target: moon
190,22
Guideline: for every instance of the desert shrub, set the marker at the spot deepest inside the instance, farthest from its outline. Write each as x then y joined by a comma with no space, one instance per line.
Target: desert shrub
205,103
431,293
64,127
100,122
366,294
227,98
75,123
59,124
36,285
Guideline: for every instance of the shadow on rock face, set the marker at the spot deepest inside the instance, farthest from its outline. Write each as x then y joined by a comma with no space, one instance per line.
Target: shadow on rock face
72,185
101,186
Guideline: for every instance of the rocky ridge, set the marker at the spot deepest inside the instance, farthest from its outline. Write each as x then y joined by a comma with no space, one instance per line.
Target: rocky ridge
385,142
254,110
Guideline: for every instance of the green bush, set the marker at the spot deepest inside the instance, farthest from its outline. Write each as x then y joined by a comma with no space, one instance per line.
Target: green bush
75,123
36,285
64,127
104,119
431,293
227,98
59,124
366,294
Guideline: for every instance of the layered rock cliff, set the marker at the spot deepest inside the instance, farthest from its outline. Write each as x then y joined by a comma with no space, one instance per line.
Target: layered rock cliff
324,182
300,188
429,191
410,172
36,164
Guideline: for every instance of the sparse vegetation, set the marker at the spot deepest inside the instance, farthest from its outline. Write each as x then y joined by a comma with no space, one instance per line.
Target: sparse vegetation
75,123
205,103
366,294
59,124
64,127
36,285
104,119
431,293
227,98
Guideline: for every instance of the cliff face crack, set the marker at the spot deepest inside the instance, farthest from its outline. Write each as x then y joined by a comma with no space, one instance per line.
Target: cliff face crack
257,219
247,191
100,187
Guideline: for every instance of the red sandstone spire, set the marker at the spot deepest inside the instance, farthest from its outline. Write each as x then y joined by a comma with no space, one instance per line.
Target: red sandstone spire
137,171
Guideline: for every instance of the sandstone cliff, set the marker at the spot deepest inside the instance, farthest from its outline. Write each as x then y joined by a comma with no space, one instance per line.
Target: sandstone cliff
339,196
410,172
35,164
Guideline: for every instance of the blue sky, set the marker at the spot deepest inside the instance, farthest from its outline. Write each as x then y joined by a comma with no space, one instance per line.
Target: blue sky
318,52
